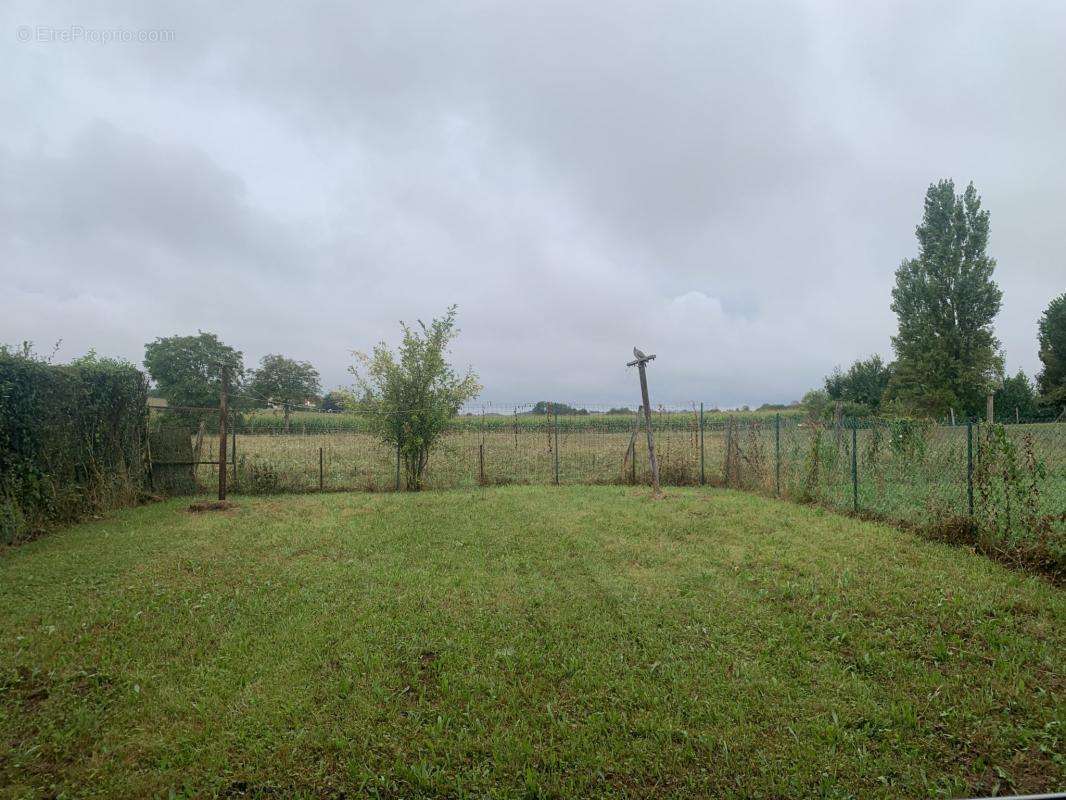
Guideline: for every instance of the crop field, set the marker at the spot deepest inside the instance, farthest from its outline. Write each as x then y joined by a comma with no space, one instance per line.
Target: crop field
913,475
501,419
511,642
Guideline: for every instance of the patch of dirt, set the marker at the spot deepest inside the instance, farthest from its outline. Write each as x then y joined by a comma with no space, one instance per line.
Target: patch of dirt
249,789
212,505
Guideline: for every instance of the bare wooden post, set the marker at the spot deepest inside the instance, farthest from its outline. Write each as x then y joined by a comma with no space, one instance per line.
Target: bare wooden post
703,477
223,438
631,450
991,408
555,419
952,409
548,430
633,462
640,363
727,468
198,444
777,454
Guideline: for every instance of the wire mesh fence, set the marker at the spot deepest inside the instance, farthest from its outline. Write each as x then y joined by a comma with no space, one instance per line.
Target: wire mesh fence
901,467
334,452
1006,479
1001,487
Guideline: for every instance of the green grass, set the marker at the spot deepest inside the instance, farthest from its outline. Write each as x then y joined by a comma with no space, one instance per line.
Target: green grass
922,485
522,642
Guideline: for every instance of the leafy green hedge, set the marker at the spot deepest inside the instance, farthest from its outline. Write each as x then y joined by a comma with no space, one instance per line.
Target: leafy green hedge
72,441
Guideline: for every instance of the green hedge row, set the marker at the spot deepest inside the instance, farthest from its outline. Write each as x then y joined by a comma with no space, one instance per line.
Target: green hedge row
72,441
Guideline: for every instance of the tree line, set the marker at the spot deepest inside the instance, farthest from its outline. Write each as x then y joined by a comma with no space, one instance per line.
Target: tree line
947,357
407,396
187,371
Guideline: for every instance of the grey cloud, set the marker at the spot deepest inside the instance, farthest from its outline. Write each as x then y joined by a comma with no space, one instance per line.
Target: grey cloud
729,186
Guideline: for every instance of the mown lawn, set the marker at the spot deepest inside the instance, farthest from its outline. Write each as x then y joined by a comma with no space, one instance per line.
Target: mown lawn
522,642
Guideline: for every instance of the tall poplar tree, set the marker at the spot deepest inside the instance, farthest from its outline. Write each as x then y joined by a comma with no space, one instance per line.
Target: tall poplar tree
1052,336
947,355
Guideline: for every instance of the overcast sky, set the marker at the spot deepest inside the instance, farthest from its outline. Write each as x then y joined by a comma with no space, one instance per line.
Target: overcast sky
729,185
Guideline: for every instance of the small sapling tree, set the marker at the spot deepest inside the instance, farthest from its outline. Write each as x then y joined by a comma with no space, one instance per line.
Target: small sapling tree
285,381
410,396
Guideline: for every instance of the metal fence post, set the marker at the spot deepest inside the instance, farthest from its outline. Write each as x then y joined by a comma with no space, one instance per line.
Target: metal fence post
777,453
703,476
855,465
556,448
481,449
969,465
321,471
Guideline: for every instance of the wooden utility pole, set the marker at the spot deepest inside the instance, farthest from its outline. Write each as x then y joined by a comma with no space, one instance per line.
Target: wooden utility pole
640,363
991,408
222,437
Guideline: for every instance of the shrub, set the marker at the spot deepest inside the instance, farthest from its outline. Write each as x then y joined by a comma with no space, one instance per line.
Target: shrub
72,440
410,397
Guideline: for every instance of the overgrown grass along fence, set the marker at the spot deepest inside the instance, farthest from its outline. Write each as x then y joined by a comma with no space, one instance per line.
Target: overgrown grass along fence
72,441
1001,488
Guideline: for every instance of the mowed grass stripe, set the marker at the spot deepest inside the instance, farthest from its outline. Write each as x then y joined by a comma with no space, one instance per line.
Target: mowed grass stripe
519,642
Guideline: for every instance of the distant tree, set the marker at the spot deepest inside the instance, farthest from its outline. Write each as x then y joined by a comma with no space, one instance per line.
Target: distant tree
336,400
947,355
187,370
284,381
778,406
864,383
410,396
565,409
816,401
621,410
1016,398
1051,380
